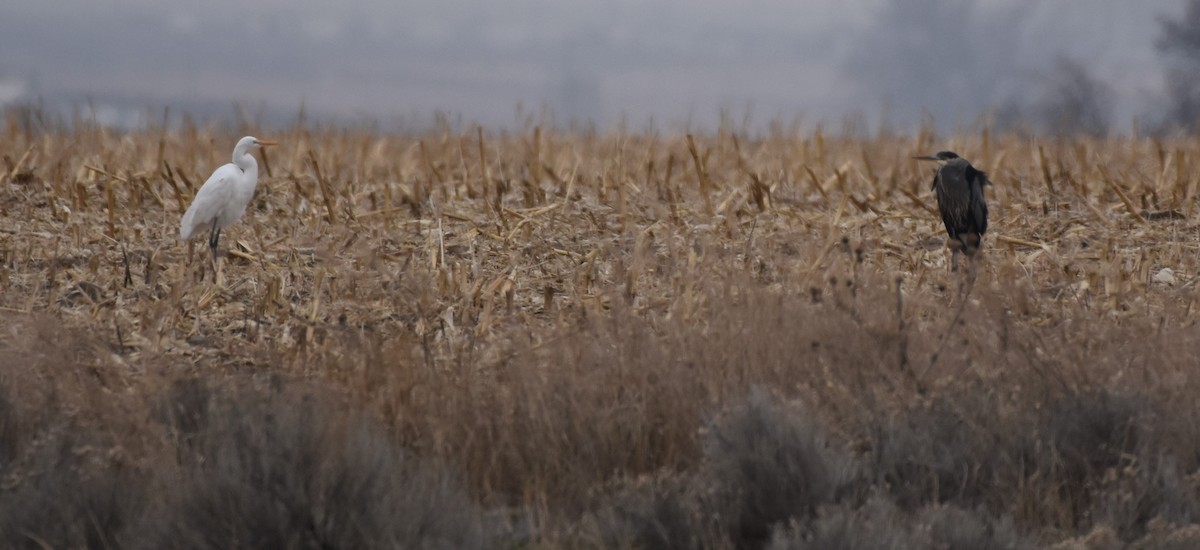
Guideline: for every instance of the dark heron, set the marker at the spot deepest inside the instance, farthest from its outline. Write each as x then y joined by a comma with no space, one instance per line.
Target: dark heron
959,189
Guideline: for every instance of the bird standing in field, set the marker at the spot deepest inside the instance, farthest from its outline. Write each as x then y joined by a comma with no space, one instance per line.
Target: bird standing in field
959,188
222,199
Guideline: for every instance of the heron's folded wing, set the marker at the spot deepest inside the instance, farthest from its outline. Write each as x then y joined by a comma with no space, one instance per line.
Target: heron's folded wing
979,210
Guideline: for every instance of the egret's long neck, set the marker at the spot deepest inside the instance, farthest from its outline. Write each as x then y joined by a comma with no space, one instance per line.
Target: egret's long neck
245,161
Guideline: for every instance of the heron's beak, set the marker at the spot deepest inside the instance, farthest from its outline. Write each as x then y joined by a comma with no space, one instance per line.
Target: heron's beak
926,157
267,142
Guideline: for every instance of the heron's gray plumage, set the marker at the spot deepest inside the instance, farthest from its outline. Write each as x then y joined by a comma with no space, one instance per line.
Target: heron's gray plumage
959,189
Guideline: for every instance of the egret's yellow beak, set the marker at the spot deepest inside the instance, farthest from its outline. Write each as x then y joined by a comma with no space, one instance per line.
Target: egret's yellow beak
267,142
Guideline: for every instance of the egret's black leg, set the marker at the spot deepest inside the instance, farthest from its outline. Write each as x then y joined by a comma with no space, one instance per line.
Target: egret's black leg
213,238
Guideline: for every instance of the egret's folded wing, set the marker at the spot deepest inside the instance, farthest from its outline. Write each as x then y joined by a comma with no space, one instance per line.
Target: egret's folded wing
214,196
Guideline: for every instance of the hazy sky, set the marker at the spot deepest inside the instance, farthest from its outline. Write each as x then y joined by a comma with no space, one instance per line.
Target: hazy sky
673,60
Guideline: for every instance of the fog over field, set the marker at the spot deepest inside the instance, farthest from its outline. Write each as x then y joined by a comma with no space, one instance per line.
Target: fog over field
674,61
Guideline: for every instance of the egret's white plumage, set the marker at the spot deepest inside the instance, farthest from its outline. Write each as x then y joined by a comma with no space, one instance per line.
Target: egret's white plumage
222,199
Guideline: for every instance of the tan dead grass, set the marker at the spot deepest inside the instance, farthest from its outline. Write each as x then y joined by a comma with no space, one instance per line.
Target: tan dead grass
548,311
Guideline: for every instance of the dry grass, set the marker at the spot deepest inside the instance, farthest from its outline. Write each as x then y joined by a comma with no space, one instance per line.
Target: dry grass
574,325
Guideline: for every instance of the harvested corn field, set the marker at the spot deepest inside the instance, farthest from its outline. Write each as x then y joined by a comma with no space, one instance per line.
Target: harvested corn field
564,339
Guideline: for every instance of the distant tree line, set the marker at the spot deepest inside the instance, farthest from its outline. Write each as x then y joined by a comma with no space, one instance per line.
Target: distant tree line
1074,101
1179,44
902,58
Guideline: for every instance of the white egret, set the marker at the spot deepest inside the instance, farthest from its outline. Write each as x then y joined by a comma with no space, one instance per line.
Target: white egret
222,199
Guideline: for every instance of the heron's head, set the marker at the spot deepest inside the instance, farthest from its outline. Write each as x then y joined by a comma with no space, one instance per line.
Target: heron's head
941,157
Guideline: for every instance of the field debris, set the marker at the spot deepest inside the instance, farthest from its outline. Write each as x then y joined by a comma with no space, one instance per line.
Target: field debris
562,339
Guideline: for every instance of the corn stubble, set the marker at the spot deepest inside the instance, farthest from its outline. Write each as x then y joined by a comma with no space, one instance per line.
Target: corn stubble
596,340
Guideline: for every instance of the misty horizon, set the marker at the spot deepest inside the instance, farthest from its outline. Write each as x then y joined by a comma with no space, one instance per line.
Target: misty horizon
670,63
